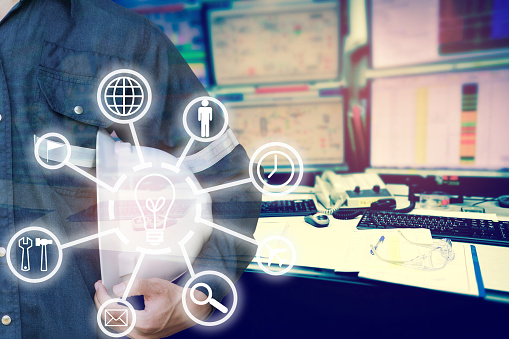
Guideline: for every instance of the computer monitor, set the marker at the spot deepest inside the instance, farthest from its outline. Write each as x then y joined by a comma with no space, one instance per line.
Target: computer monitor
313,126
275,43
455,121
410,32
185,29
184,26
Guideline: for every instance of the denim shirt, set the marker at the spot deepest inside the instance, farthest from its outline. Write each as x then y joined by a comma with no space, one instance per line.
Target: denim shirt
53,54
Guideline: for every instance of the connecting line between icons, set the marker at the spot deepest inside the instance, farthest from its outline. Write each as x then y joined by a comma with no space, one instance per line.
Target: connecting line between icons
199,219
97,181
136,143
95,236
184,153
133,276
182,244
216,188
226,230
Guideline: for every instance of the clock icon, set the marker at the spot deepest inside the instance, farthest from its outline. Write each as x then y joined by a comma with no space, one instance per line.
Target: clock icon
279,158
275,167
273,156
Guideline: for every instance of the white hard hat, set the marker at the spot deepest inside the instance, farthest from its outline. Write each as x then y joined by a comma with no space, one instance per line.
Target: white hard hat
153,207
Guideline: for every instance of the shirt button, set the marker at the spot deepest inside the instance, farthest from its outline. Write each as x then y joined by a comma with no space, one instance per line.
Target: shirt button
2,252
0,117
78,109
6,320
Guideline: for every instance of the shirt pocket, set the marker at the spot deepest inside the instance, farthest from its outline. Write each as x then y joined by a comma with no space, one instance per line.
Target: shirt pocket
68,80
72,96
67,103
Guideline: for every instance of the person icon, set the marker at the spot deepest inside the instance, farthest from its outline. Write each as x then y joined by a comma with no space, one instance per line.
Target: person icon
205,116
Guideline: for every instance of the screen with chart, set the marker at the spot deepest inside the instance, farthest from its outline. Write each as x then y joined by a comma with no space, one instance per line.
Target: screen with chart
313,126
185,30
279,44
409,32
441,121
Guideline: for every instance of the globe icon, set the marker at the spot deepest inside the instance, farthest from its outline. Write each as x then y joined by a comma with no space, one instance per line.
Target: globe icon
124,96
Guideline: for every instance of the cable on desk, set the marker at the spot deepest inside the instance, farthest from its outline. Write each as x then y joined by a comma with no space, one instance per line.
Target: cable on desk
407,209
350,213
483,201
332,210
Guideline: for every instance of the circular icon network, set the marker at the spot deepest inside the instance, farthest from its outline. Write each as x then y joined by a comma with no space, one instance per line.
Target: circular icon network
124,96
26,243
116,318
280,153
203,114
210,298
58,150
280,251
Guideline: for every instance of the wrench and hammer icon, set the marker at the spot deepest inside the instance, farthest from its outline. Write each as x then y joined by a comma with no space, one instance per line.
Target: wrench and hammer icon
25,243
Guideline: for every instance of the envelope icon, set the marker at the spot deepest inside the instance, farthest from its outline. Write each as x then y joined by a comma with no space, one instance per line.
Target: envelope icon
116,317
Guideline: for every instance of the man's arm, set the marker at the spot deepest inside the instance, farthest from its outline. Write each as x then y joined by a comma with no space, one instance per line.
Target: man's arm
236,208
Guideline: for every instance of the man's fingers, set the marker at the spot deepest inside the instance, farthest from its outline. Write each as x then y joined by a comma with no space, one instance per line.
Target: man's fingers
101,295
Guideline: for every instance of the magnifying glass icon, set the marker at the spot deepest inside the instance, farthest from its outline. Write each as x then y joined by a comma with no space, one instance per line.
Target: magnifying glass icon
209,298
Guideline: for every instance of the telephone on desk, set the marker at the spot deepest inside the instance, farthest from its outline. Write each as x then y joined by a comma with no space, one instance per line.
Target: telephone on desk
352,190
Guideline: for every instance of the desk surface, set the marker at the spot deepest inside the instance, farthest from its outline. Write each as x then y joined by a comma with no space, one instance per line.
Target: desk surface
323,247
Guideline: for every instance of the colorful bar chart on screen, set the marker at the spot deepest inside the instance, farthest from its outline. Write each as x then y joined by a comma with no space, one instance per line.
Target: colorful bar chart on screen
468,123
454,120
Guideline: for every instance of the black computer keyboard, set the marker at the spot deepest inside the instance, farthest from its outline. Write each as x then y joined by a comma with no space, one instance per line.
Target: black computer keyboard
479,231
288,208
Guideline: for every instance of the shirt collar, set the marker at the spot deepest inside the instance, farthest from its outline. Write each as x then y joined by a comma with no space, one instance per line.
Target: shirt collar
72,2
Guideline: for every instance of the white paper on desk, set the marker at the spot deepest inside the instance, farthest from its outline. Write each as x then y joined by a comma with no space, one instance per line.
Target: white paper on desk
268,227
315,247
457,276
320,247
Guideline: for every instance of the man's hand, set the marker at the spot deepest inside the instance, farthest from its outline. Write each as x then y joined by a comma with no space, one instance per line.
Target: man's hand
164,314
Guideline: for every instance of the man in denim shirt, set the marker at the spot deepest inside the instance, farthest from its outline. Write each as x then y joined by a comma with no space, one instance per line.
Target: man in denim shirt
53,54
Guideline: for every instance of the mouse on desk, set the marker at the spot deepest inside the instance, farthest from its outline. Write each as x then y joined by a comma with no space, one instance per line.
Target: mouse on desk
503,201
317,220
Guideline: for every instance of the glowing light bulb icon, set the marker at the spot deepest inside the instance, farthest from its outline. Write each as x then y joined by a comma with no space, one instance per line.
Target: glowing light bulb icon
154,211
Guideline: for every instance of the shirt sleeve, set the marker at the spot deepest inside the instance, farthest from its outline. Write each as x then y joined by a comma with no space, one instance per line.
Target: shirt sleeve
236,208
174,85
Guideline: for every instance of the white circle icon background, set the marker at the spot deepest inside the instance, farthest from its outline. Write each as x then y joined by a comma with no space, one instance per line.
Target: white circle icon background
275,239
231,310
120,74
67,149
199,100
278,145
131,310
31,229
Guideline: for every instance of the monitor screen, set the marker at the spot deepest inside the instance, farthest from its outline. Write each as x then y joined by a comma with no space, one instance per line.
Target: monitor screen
185,30
276,44
410,32
456,120
314,127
